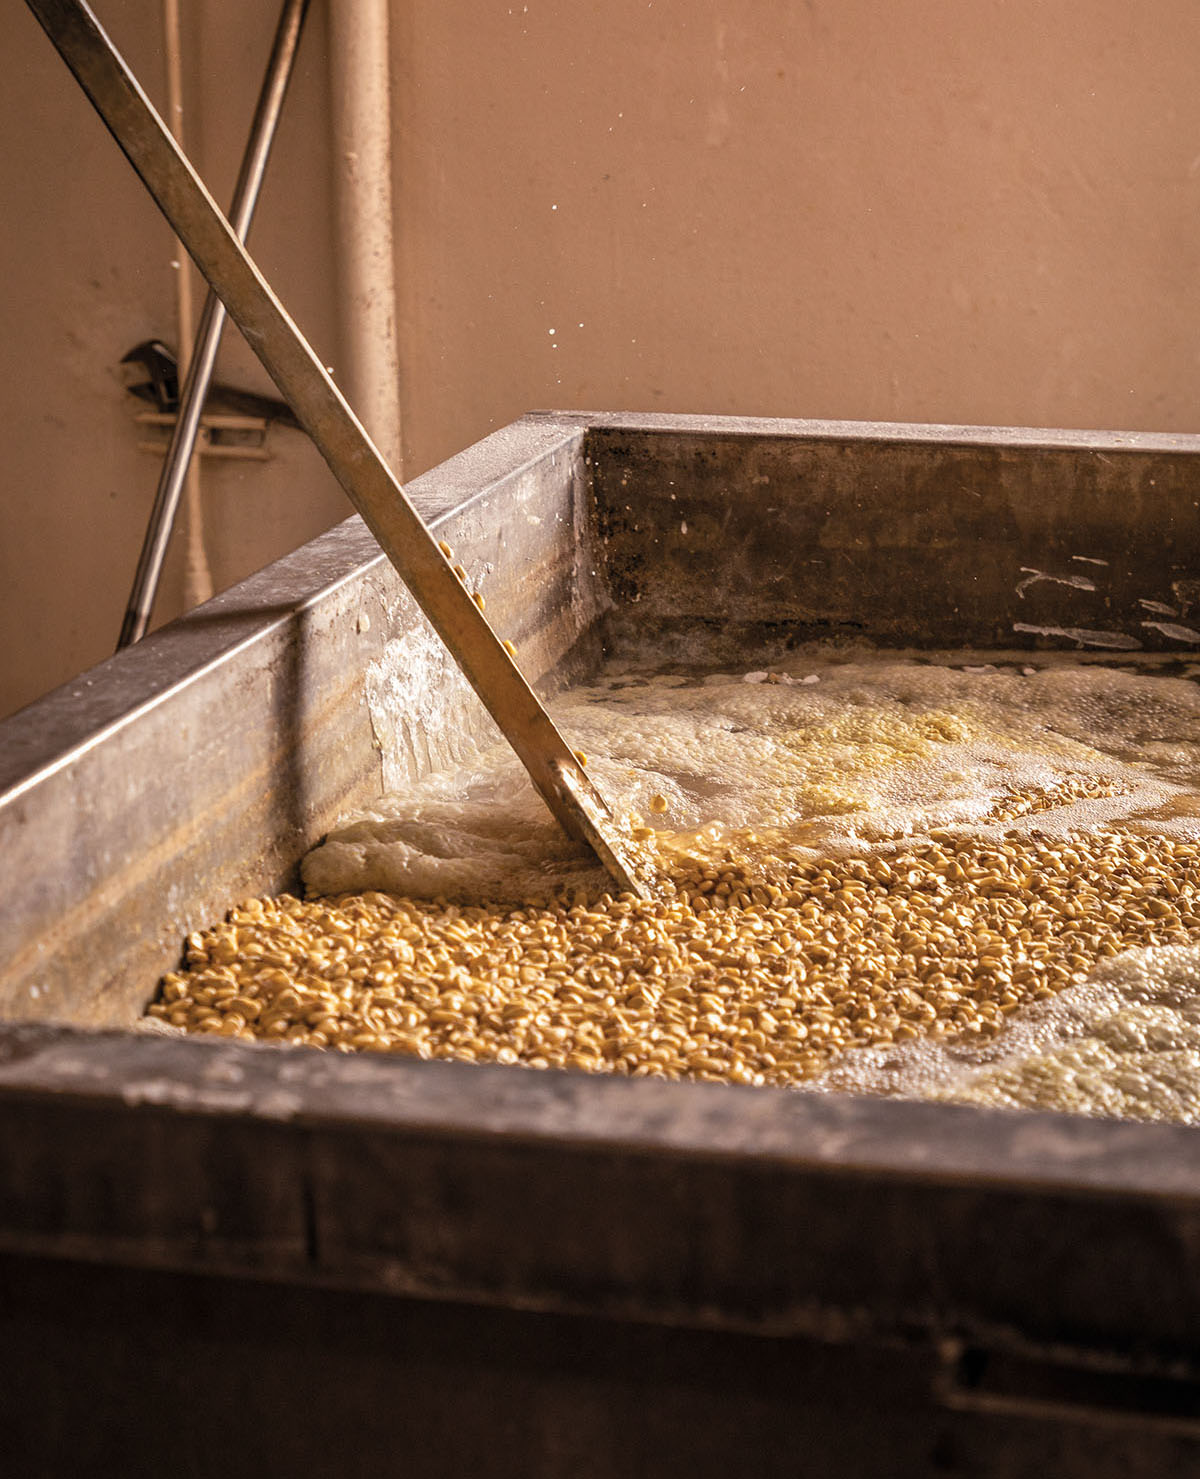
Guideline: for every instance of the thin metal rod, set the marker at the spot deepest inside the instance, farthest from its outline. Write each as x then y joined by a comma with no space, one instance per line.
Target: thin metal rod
324,413
208,337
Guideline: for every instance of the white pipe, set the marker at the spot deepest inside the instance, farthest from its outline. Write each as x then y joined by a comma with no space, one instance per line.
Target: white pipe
360,78
197,575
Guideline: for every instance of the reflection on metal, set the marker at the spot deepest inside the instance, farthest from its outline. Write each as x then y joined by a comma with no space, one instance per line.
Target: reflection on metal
204,353
325,415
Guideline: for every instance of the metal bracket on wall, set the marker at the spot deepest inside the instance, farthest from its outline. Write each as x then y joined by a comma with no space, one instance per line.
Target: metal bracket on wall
239,437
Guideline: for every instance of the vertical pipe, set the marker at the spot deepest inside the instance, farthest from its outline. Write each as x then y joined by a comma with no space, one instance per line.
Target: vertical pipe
197,577
360,75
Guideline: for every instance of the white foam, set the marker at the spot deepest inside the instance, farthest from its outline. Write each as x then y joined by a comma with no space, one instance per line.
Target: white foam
1126,1042
879,748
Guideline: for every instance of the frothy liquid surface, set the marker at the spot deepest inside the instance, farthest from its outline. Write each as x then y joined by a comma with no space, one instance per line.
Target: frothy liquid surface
857,759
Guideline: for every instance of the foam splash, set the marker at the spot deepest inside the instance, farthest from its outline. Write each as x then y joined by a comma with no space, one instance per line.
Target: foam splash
1124,1043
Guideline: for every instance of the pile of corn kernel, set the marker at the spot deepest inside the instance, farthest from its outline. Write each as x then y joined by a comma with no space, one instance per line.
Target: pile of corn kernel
759,964
1022,803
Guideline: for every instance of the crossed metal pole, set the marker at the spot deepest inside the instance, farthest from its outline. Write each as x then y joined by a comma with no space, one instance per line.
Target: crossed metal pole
321,409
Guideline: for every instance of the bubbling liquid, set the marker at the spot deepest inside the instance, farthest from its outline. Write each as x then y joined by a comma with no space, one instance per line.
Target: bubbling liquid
853,759
873,751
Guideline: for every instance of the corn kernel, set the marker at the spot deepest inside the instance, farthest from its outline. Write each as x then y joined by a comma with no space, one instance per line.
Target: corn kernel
757,966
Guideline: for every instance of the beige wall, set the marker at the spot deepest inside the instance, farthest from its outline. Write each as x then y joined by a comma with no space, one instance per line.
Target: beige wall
928,210
925,211
85,269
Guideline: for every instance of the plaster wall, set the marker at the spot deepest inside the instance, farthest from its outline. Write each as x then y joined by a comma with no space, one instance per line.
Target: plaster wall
86,272
922,211
927,211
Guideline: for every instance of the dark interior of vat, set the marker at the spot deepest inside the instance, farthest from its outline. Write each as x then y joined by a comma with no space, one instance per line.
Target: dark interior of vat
149,796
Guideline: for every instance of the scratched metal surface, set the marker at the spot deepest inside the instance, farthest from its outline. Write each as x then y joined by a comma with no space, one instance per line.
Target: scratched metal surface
728,538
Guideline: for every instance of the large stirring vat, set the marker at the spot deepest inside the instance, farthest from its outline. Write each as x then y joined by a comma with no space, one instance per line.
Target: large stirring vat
583,1264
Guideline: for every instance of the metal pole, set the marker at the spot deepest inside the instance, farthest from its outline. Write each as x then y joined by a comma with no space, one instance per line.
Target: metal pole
208,337
556,772
361,138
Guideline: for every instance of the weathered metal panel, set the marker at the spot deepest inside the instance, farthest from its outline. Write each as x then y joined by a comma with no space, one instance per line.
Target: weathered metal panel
195,768
738,1209
721,540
